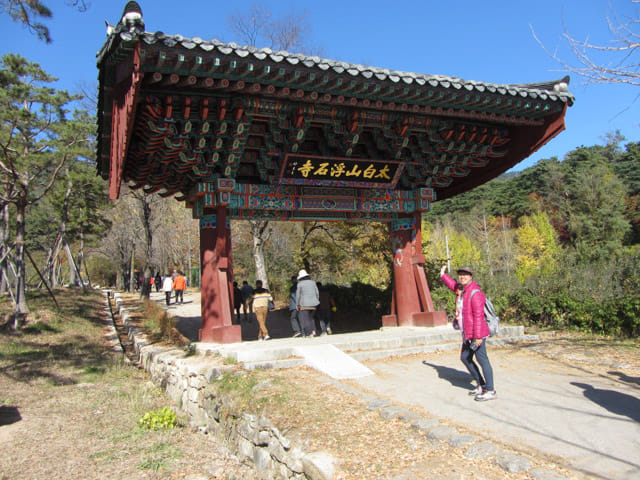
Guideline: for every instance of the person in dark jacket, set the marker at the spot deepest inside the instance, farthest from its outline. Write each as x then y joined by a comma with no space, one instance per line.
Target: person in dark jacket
293,310
323,312
237,300
307,299
470,316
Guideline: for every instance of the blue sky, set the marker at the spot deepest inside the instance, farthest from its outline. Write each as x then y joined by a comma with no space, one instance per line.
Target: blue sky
489,41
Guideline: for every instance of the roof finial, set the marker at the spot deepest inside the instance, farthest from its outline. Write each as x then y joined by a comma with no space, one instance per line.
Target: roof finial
132,16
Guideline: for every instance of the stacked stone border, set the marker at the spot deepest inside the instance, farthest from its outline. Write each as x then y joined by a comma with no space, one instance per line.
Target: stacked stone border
254,439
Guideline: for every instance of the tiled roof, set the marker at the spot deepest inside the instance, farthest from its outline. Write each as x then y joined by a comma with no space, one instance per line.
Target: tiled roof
198,111
556,91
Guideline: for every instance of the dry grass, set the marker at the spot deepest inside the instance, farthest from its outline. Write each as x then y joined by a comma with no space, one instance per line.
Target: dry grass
70,409
70,406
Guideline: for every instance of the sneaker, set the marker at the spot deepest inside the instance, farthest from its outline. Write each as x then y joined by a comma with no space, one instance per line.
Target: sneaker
476,391
267,337
486,395
297,334
329,331
261,339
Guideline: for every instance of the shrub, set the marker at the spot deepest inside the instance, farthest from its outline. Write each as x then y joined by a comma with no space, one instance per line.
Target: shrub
164,418
562,309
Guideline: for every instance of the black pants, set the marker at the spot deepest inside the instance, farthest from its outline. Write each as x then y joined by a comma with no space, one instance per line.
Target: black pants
307,321
179,295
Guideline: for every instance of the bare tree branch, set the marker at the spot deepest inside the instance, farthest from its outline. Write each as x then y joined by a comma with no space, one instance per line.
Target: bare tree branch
621,65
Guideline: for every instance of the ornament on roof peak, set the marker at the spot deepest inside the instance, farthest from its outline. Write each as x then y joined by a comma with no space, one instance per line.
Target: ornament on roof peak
132,17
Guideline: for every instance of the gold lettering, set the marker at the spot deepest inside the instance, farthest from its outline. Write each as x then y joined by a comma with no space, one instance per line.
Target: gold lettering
354,172
337,170
370,171
306,168
384,173
322,169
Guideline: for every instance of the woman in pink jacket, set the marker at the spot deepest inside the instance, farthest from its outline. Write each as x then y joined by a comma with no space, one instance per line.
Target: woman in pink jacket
470,317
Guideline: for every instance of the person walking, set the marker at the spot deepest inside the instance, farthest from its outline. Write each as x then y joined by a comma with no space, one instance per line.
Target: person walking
470,316
293,311
247,293
167,287
179,285
237,300
307,299
158,281
326,305
260,300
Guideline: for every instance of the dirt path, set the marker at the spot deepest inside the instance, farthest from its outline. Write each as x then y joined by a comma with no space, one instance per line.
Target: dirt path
584,414
70,409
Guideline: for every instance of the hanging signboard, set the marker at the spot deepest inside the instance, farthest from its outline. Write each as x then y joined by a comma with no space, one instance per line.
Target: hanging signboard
339,172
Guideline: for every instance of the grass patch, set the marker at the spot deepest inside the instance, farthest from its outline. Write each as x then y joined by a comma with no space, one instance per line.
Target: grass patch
39,327
159,457
254,391
157,324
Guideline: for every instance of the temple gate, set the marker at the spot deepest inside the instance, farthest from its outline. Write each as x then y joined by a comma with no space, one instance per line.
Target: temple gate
245,133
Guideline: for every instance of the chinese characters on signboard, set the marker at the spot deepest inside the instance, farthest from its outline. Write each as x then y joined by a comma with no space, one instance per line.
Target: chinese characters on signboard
305,169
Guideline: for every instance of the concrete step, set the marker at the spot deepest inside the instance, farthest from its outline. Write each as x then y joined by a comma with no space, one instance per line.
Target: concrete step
374,344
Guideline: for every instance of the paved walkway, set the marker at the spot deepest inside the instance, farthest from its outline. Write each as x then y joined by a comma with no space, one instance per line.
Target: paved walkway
590,417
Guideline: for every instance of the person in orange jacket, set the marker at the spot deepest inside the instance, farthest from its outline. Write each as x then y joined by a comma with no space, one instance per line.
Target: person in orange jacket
179,284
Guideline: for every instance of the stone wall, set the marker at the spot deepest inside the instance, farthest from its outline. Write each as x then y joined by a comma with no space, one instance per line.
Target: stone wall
253,439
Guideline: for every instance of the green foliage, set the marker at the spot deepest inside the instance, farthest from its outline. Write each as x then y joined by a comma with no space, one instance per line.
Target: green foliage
581,214
462,249
538,247
162,418
559,309
27,12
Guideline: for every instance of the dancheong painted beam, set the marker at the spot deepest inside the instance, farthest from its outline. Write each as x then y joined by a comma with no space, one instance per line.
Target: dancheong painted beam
239,132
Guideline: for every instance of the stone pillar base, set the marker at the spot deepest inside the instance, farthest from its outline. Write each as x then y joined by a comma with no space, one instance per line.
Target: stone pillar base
225,334
417,319
428,319
389,320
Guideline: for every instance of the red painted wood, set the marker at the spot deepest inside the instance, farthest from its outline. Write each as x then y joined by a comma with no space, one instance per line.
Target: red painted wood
125,100
215,294
411,304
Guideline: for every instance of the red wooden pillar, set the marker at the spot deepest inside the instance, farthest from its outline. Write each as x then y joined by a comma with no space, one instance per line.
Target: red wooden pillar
411,303
216,278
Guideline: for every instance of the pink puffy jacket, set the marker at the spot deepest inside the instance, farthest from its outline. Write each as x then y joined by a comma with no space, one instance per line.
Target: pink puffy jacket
473,322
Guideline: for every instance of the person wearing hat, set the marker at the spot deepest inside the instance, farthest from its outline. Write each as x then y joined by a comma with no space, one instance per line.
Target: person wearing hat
296,326
307,299
470,316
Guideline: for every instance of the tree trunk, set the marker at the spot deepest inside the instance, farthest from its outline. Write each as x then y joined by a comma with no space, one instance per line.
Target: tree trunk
145,288
21,308
4,249
132,268
81,260
73,281
260,232
73,266
485,233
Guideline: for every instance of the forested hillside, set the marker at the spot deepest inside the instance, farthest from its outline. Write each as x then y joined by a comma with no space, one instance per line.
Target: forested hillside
555,244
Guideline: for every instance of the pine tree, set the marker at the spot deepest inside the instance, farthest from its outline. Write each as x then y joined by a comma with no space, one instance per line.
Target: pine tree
36,141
